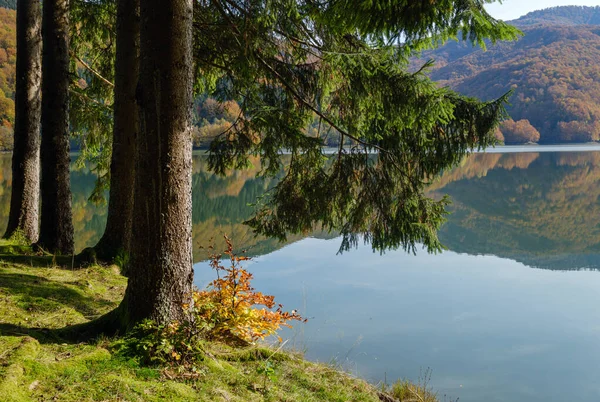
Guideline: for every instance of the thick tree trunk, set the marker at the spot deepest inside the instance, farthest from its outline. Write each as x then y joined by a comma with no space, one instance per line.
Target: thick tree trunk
117,234
56,229
160,276
24,201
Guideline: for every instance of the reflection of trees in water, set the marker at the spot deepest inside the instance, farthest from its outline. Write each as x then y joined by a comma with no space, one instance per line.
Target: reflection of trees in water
541,209
220,206
5,185
88,219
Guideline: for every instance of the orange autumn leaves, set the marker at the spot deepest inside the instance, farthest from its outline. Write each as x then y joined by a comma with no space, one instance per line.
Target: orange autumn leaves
229,305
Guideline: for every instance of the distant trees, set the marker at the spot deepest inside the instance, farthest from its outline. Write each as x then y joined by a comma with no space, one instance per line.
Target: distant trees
554,71
8,51
518,132
213,118
11,4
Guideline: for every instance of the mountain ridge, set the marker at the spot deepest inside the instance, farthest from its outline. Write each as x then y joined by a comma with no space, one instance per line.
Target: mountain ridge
553,70
561,15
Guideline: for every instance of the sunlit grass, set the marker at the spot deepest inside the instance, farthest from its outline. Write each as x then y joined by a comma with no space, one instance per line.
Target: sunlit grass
36,365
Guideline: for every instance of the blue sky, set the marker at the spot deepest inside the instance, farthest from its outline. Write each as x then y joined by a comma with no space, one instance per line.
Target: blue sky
511,9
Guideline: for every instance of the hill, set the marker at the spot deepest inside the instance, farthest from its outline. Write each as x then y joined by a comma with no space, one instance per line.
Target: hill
554,71
8,58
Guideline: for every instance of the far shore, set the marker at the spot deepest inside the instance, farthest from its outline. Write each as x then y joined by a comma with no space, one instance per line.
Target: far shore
521,148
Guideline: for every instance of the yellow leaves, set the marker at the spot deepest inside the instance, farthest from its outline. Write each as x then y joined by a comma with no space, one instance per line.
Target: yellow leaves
230,303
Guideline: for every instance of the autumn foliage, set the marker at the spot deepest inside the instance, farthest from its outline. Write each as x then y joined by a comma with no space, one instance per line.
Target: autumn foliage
8,58
229,305
553,71
227,311
519,132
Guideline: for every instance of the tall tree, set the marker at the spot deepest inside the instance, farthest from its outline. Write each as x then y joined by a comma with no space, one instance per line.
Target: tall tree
161,257
117,235
24,204
56,229
286,63
345,63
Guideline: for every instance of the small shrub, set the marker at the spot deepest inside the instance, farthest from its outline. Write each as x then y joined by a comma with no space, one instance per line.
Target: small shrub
226,311
229,305
174,345
122,260
19,238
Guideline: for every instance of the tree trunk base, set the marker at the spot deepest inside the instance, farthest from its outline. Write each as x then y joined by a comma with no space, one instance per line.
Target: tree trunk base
99,255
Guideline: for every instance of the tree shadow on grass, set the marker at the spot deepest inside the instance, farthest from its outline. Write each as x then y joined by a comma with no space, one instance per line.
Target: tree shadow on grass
109,324
44,261
43,335
41,294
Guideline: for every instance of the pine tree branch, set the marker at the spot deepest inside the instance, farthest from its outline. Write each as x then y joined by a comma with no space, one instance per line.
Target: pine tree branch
88,99
312,108
92,70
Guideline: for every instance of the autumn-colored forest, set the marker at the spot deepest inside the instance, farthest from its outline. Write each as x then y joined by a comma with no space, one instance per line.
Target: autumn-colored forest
554,71
8,59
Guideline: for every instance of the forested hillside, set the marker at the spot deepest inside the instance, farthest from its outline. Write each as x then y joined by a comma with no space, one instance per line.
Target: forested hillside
554,70
8,52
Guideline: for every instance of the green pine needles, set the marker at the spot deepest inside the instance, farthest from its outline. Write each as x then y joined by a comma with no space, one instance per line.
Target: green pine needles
341,63
345,64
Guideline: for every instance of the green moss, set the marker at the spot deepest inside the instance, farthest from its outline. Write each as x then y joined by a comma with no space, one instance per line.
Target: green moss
37,365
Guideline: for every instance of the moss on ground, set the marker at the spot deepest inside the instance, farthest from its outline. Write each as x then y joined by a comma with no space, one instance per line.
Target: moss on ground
36,365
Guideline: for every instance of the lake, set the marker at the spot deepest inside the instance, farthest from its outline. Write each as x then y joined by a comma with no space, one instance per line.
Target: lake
509,312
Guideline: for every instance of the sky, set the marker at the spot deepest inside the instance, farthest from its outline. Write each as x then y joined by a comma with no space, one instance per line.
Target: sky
512,9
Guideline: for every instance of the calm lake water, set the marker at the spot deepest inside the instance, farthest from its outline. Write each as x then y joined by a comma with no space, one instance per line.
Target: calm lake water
508,313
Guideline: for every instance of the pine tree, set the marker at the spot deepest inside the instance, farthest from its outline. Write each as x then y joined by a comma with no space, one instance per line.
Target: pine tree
287,63
25,190
117,235
56,228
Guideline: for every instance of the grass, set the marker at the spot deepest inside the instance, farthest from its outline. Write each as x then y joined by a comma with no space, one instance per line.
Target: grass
36,365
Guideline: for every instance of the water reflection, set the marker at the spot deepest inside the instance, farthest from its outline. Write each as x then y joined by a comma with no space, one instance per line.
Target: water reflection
490,328
537,208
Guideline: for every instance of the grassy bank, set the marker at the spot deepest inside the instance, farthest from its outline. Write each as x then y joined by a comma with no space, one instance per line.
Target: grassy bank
37,365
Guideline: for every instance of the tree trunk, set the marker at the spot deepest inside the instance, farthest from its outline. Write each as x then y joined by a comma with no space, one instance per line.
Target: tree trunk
160,276
24,200
117,234
56,229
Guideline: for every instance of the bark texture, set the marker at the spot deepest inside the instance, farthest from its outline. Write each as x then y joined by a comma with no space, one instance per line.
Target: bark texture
25,192
117,235
56,229
160,272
